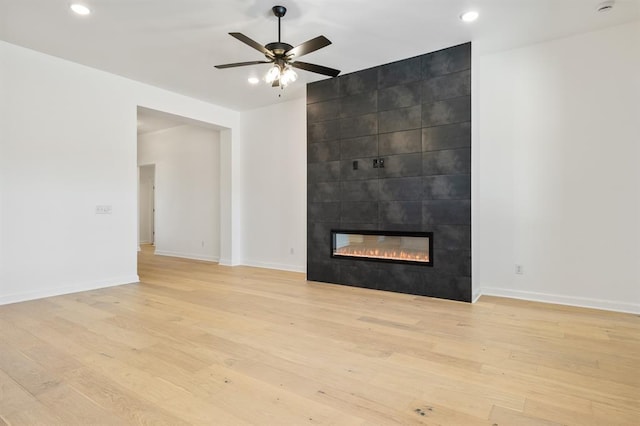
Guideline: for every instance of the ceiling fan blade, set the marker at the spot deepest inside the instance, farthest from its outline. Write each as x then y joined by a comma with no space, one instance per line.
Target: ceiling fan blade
318,69
308,46
241,64
250,42
275,83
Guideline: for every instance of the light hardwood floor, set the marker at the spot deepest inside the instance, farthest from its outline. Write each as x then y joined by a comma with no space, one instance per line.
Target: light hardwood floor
205,344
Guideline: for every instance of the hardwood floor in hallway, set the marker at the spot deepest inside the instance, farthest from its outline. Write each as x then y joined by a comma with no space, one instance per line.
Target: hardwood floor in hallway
199,343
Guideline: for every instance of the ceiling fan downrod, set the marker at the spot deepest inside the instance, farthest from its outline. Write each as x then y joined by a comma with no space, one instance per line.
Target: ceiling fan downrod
279,11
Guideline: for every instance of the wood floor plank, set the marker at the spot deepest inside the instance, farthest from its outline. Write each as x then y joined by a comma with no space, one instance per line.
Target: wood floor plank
72,407
12,395
198,343
108,394
505,416
365,401
32,413
31,376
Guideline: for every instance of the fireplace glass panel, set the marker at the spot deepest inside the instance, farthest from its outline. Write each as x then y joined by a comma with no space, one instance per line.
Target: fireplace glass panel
385,246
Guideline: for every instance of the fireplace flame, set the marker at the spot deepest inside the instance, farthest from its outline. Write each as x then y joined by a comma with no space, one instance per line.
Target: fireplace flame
377,253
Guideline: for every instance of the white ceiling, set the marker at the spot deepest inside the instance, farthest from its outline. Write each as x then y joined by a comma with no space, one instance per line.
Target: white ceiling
174,44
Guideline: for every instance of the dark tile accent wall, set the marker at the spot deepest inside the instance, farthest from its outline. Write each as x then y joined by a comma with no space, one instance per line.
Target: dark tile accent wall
416,114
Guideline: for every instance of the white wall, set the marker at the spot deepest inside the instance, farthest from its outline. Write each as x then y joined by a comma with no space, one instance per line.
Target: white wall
557,174
275,182
187,195
68,144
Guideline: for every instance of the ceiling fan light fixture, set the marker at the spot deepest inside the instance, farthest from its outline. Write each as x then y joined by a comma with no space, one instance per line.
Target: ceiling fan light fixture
253,80
469,16
288,76
80,9
273,74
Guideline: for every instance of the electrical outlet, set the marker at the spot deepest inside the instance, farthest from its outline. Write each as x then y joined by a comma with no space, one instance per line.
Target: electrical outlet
103,209
291,251
202,244
519,270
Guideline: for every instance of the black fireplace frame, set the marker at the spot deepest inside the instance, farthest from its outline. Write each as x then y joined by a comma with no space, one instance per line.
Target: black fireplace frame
332,245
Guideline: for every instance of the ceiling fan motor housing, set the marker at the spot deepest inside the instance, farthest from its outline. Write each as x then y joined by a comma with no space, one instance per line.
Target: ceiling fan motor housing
279,48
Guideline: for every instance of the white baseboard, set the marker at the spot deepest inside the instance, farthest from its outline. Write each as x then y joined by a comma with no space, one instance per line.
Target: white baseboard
187,255
76,288
583,302
278,266
475,296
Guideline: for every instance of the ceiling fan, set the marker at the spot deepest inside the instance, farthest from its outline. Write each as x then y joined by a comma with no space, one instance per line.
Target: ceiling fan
283,56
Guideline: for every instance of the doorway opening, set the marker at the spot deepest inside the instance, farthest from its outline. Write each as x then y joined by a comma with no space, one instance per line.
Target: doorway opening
183,187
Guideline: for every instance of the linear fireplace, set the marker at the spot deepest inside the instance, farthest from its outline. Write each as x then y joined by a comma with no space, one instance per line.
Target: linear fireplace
383,246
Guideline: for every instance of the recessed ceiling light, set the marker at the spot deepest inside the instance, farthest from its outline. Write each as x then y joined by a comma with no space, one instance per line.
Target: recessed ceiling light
253,80
80,9
469,16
